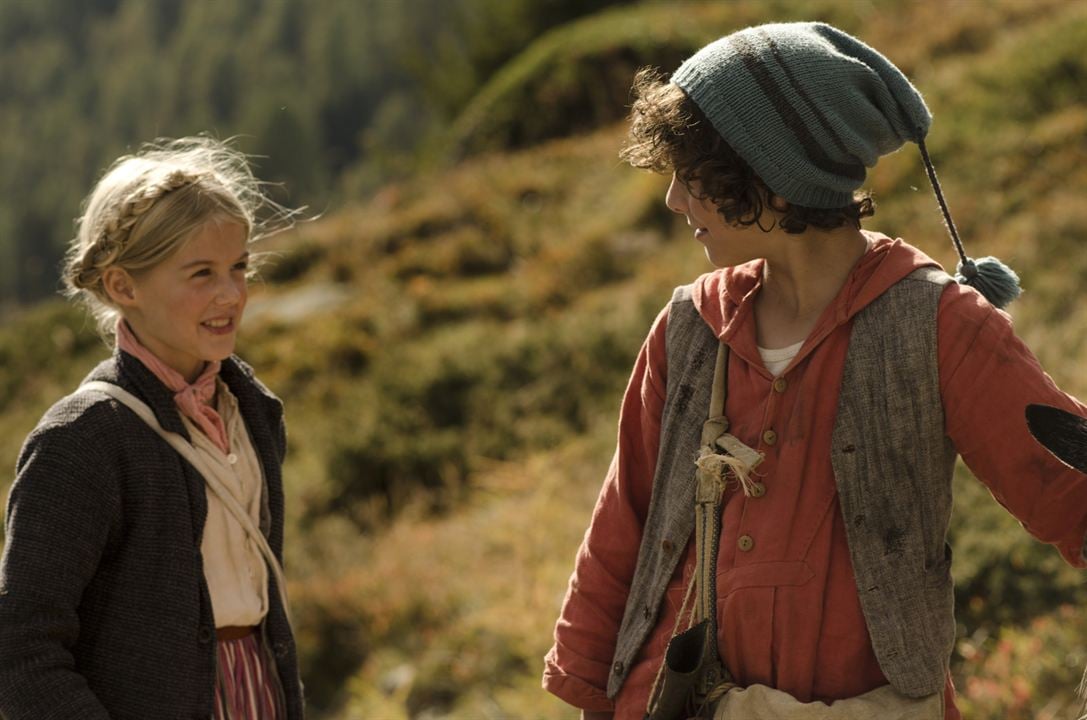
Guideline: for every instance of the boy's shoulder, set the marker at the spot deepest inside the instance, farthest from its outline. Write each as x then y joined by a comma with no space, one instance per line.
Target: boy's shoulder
683,294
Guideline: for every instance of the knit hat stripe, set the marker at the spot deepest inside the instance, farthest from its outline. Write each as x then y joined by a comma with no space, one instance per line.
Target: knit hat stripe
828,128
748,54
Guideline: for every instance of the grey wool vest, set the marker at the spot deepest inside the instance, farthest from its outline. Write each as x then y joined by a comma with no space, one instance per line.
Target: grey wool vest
892,465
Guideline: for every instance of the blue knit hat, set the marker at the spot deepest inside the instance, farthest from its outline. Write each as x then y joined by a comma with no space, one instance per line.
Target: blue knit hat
809,108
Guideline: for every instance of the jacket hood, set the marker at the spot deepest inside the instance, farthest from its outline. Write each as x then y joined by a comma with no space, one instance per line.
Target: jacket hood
725,297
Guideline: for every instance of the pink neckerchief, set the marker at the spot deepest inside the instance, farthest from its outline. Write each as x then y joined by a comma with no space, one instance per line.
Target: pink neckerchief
193,400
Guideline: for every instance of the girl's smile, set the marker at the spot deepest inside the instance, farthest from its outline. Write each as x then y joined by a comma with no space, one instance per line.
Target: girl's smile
222,326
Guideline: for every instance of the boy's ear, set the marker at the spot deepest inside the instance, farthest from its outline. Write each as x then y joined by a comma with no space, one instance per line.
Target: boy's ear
119,286
776,202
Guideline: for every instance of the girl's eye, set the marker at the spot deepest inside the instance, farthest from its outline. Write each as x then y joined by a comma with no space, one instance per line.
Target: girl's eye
202,273
243,266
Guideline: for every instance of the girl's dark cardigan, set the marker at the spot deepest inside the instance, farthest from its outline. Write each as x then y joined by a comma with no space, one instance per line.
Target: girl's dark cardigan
104,611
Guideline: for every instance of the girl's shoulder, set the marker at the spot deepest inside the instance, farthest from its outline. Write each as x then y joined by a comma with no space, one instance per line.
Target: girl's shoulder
87,414
246,386
81,434
89,423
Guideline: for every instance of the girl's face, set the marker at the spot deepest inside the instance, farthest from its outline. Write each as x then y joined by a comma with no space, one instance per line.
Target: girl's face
725,244
187,309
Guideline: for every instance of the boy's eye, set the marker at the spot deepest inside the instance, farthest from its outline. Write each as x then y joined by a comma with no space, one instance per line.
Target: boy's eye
202,273
244,265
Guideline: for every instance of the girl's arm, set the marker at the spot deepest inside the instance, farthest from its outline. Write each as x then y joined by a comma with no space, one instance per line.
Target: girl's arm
987,379
60,513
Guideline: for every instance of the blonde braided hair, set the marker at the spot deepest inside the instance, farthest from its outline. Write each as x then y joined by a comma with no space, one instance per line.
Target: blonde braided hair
110,239
148,204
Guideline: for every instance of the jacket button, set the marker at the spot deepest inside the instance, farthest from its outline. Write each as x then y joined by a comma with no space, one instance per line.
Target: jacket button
849,449
758,489
780,384
646,612
667,546
769,437
745,543
205,635
617,668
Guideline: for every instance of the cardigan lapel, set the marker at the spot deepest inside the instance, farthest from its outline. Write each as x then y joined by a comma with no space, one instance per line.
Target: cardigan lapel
259,410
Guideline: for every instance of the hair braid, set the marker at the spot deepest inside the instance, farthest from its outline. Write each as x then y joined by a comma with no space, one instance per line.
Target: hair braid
111,238
148,204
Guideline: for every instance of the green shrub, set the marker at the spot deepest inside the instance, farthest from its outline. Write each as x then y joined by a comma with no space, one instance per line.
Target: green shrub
291,265
577,77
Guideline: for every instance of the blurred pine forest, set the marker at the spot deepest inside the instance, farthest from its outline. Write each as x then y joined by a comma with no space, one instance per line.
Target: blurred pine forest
337,95
452,336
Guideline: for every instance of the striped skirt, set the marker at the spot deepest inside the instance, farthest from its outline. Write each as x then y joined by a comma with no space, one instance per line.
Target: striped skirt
247,684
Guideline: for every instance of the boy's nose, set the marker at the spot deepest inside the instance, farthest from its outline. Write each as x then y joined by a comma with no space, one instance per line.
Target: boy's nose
677,196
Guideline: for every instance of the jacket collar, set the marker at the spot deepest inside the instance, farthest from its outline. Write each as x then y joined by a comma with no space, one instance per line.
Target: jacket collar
725,298
254,400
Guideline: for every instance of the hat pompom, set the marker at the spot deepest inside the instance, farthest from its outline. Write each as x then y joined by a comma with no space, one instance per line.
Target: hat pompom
992,278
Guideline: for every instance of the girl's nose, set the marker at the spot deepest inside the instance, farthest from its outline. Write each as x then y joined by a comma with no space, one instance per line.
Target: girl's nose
677,197
229,292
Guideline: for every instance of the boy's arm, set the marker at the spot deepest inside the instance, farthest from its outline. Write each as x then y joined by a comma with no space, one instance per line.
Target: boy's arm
987,379
577,666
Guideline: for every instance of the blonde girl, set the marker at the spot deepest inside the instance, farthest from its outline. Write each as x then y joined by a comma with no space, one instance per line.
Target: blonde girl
140,577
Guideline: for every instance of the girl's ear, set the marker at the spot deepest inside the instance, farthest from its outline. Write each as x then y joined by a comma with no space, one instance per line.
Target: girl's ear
119,286
1061,433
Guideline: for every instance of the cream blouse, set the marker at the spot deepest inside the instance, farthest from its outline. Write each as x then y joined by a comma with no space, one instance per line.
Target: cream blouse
234,569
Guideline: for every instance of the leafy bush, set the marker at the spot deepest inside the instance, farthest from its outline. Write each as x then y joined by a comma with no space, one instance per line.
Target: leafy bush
1027,672
291,265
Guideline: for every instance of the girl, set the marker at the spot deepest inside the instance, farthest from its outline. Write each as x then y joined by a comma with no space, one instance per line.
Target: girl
140,578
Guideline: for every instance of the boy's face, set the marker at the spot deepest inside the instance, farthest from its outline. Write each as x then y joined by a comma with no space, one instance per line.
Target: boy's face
725,244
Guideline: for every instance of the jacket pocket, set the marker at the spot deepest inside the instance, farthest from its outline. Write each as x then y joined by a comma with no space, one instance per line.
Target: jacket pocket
768,574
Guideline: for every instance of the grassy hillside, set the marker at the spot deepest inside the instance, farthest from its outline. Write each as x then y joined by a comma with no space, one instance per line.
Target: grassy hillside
452,352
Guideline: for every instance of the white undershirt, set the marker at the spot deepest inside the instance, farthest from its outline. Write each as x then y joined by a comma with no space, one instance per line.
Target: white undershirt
778,359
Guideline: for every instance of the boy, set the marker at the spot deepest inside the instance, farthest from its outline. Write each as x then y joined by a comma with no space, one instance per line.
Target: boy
856,371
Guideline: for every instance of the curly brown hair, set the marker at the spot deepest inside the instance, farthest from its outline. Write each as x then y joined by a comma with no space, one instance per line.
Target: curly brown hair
668,132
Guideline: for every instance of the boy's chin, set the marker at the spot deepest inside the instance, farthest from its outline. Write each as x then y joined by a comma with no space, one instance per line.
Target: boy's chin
719,261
